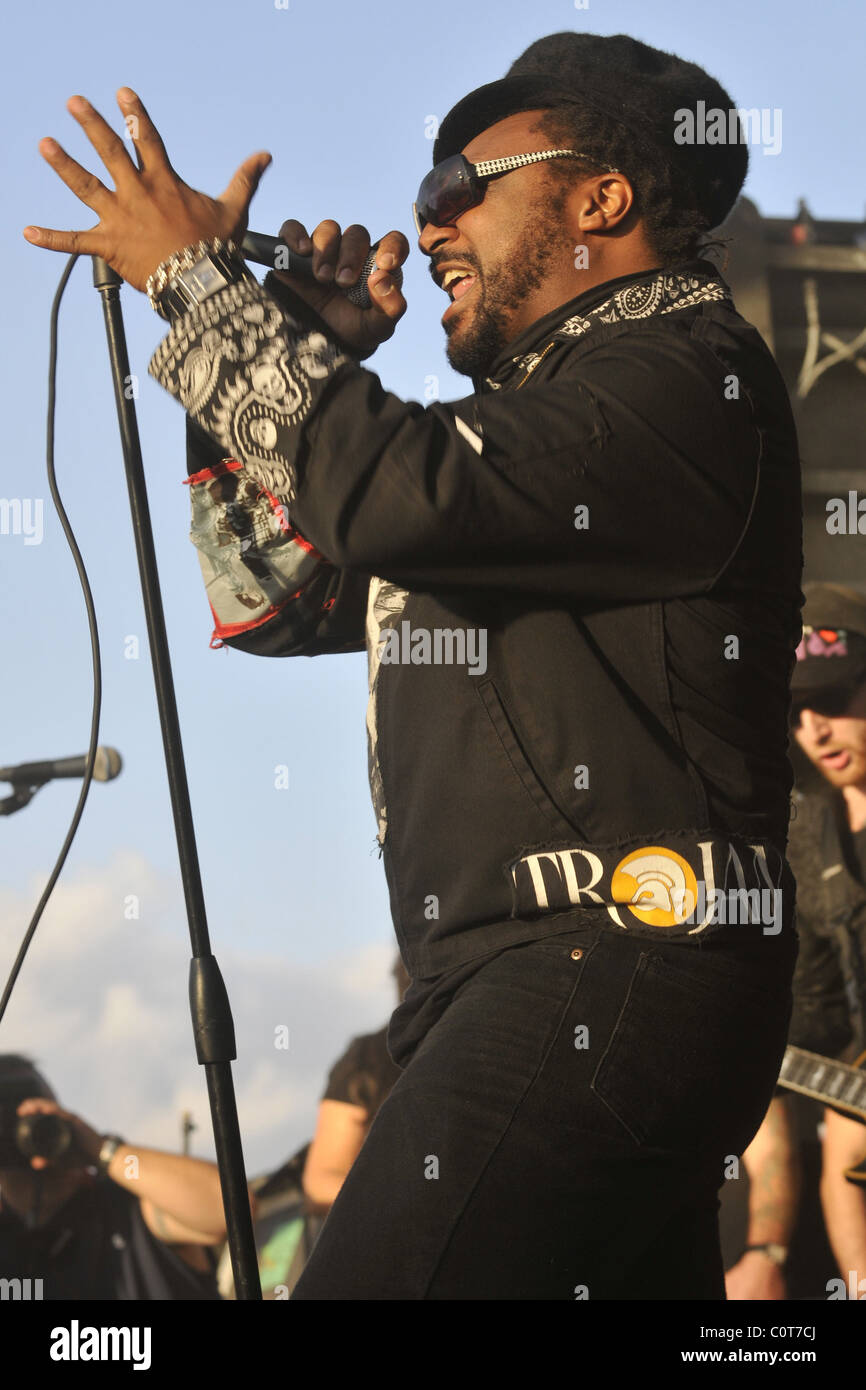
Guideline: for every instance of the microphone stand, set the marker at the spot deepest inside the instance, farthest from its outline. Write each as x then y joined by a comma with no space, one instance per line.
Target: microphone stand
212,1023
21,796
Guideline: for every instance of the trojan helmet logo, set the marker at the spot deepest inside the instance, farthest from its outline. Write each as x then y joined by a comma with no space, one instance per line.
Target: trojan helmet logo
659,886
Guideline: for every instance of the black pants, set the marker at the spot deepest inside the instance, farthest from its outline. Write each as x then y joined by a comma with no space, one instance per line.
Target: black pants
564,1128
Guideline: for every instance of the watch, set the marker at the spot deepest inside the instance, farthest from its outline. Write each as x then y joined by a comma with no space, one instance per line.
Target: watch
775,1252
110,1144
209,274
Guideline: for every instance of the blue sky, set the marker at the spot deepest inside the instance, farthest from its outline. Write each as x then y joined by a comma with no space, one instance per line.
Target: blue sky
342,95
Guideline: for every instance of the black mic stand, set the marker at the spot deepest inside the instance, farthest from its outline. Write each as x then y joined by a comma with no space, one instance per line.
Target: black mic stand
21,796
211,1015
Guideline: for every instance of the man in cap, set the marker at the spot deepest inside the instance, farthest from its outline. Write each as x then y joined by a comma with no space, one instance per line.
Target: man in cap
580,590
827,852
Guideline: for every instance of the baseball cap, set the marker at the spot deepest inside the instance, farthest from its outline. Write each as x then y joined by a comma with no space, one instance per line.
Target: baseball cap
832,651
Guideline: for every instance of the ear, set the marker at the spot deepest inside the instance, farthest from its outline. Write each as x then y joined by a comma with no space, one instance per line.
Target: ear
601,202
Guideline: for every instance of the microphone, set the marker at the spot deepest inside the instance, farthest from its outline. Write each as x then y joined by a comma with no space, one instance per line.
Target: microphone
106,765
270,251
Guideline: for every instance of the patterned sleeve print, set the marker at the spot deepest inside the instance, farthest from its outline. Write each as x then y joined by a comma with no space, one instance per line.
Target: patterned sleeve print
249,375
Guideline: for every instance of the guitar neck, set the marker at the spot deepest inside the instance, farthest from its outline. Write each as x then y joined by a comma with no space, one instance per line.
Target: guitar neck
820,1078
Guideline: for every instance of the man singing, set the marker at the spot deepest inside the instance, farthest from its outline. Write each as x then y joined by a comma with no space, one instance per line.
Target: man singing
579,592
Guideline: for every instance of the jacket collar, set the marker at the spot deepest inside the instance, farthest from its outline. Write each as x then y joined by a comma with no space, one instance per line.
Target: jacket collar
638,296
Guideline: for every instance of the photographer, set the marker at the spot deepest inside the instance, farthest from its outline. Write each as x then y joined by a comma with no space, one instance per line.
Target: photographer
92,1216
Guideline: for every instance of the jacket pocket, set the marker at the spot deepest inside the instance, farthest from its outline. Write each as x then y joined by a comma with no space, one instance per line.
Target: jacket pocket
520,764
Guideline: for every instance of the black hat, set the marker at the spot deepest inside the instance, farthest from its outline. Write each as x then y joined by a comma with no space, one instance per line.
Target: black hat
832,651
643,88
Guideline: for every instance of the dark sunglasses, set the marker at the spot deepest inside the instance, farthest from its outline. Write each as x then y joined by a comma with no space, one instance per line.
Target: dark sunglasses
455,185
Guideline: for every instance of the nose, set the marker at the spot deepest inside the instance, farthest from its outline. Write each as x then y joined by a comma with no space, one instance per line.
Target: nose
432,237
815,726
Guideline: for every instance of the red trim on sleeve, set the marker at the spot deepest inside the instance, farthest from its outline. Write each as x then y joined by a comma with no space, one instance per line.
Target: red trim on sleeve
234,629
232,466
224,466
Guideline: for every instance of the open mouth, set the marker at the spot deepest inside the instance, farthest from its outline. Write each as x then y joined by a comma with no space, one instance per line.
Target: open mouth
837,760
457,284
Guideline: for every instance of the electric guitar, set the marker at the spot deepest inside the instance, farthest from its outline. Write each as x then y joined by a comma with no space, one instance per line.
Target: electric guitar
837,1084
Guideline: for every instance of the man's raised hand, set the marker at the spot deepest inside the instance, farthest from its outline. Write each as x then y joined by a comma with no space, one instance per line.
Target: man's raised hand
151,213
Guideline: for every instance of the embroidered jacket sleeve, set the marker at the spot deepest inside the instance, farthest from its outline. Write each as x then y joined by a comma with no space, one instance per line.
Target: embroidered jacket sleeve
625,477
271,592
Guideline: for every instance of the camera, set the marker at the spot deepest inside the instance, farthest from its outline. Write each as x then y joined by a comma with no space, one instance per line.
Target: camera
23,1137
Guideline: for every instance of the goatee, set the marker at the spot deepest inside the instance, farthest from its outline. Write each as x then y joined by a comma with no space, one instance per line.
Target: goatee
502,290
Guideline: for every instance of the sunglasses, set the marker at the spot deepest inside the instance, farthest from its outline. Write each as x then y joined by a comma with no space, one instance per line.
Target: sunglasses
455,185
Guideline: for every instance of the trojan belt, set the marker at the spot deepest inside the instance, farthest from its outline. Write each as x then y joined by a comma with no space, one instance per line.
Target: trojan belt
681,883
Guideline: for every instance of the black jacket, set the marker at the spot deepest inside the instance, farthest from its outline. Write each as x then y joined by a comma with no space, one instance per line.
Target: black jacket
830,978
616,509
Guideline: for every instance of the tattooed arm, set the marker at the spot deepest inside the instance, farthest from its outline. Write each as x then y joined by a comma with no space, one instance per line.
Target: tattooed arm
773,1165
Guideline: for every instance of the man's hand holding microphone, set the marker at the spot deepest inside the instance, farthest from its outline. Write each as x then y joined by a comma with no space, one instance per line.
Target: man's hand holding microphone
338,260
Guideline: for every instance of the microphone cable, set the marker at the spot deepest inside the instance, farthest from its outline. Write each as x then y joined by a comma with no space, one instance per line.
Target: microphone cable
94,643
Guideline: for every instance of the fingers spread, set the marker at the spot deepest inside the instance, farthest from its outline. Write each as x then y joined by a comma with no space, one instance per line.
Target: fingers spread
84,185
244,183
105,141
78,243
353,252
142,132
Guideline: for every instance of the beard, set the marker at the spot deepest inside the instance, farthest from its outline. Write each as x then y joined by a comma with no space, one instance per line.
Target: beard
502,290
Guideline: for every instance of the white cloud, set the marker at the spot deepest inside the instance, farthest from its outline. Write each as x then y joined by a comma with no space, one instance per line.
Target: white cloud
101,1004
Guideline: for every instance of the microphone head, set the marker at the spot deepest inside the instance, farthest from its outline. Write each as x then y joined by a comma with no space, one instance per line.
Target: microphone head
106,764
359,293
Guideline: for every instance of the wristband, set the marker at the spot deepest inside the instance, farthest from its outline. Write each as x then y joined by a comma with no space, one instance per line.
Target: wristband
775,1252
